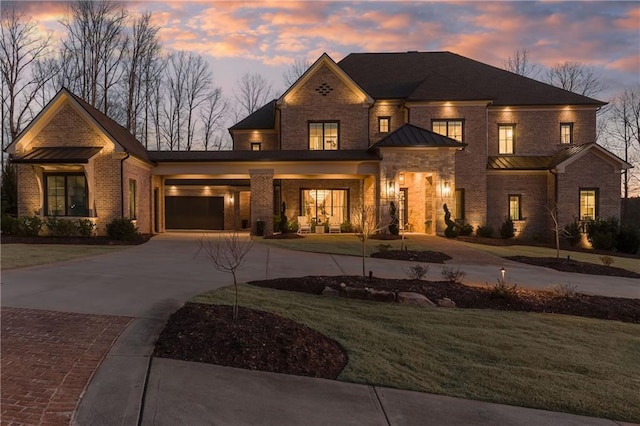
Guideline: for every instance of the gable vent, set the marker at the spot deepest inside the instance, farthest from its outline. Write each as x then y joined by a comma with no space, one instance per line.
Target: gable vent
324,89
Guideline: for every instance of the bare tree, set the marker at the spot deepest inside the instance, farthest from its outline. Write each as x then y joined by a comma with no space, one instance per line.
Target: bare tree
575,77
198,80
227,253
21,48
520,64
365,224
252,92
295,71
553,213
212,116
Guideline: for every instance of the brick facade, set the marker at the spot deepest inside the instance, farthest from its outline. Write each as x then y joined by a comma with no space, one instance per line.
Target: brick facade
262,199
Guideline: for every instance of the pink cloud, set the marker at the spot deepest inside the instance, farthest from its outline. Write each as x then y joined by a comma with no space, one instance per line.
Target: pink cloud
629,64
630,22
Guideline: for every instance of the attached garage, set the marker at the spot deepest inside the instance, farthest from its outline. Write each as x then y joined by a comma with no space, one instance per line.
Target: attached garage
192,212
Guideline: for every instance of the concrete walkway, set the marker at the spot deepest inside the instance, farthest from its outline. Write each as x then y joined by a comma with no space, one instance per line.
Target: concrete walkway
150,281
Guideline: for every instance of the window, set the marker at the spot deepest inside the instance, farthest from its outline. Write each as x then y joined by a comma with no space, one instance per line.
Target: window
132,199
320,204
323,135
588,203
515,207
66,194
459,213
506,134
256,146
384,123
449,128
566,132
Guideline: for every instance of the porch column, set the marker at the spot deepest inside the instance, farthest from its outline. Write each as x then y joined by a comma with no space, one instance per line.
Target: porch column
262,199
236,210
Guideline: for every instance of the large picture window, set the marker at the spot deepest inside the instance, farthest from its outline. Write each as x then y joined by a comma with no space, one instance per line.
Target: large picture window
321,204
450,128
588,203
323,136
506,135
66,194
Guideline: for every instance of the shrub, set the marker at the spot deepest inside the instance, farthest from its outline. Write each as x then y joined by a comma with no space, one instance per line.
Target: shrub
122,229
507,230
450,232
603,240
293,226
502,290
417,272
30,226
384,247
393,225
61,227
602,233
606,260
346,226
465,230
572,233
484,231
452,275
10,225
566,291
85,227
628,240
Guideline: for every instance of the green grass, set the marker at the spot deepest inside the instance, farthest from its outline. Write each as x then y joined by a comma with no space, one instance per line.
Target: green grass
551,362
22,255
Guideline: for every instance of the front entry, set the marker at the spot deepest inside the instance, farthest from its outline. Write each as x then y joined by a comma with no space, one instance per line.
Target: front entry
194,212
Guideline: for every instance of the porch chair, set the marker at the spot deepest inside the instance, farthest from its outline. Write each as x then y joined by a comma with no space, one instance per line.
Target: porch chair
334,225
303,225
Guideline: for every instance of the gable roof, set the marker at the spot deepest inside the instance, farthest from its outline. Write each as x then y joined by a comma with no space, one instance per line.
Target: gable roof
566,156
446,76
409,135
263,118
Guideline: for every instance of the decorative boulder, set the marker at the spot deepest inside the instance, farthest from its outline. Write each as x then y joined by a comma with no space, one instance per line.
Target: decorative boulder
355,293
330,292
380,295
446,303
416,299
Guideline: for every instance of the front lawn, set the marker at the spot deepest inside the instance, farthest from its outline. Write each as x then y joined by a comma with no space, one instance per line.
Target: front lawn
553,362
22,255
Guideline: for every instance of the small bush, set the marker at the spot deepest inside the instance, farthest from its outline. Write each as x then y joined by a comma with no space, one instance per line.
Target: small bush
484,231
346,227
507,230
502,290
566,291
417,272
602,233
85,227
293,226
450,232
628,240
122,229
606,260
10,225
61,227
30,226
572,233
603,240
465,230
452,275
383,247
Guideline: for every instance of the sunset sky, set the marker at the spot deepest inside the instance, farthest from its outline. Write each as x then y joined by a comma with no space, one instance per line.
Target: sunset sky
267,36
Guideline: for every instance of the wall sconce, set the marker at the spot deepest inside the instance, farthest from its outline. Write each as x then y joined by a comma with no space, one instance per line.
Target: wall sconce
392,187
230,199
401,178
446,189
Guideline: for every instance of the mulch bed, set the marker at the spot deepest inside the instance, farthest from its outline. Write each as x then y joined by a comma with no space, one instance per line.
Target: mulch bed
12,239
256,341
570,265
287,236
416,256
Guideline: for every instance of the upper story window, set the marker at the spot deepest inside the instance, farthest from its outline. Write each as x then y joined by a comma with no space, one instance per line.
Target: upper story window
66,194
588,203
566,132
515,207
449,128
323,135
506,136
384,124
256,146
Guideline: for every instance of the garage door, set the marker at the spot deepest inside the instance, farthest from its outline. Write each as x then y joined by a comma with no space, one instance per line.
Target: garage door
194,212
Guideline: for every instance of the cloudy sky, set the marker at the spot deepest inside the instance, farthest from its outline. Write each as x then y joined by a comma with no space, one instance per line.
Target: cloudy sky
267,36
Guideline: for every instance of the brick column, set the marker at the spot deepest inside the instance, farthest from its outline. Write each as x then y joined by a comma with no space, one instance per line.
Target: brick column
262,199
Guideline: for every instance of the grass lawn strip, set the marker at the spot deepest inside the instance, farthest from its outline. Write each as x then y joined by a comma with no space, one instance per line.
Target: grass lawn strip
552,362
22,255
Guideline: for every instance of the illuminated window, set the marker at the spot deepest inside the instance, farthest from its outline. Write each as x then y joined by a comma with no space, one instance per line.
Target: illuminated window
506,133
515,207
384,124
132,199
67,194
256,146
566,132
323,136
321,204
449,128
588,203
459,213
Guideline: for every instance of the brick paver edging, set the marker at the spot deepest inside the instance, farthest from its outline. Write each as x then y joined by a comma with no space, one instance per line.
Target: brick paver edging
47,361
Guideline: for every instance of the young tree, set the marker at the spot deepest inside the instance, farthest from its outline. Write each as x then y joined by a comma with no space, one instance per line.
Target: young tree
227,253
553,213
252,91
197,88
365,224
212,115
519,64
295,71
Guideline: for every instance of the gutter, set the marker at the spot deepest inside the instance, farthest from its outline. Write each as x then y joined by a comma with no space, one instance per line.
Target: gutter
122,184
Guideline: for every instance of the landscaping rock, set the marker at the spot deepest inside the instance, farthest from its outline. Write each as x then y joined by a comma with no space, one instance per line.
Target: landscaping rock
416,299
355,293
330,292
446,303
380,295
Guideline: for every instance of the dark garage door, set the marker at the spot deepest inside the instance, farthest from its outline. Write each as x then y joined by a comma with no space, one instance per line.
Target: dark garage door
194,212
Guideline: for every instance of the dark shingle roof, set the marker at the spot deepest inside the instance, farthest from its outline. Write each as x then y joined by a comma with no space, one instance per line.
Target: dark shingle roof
445,76
116,131
59,155
519,162
409,135
257,156
263,118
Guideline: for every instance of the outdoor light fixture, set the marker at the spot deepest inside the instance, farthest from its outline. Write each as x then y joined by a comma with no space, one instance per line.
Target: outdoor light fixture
446,189
391,188
503,272
401,178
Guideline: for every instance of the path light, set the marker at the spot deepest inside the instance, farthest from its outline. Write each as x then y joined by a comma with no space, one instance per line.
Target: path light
503,272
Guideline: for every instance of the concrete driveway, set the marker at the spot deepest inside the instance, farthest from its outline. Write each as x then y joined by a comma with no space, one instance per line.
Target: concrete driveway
149,282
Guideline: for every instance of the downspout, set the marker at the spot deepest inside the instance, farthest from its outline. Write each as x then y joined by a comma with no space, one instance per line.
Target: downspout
122,184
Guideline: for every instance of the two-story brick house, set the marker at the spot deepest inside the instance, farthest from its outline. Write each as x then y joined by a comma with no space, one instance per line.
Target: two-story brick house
419,129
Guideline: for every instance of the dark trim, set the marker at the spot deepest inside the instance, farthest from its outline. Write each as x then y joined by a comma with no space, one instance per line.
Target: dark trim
570,124
448,120
122,185
384,117
519,197
46,175
461,215
323,122
596,212
513,141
